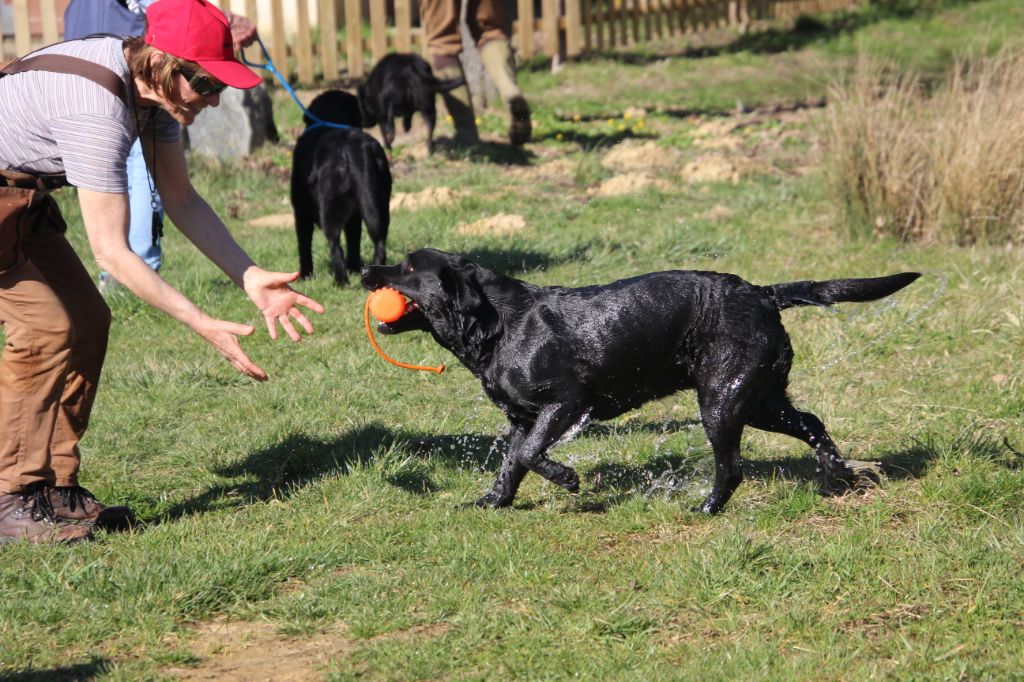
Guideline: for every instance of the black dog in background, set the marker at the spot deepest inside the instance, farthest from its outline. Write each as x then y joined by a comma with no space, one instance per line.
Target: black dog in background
340,179
398,86
553,358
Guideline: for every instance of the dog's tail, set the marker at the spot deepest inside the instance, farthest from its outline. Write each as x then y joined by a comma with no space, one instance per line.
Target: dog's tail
448,84
789,294
426,74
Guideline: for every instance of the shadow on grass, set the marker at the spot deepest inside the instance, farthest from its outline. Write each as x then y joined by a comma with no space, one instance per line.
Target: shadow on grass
616,482
804,31
498,153
514,261
681,112
68,673
595,141
276,472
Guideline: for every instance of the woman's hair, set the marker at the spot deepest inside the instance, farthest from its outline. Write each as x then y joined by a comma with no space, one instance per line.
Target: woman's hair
159,75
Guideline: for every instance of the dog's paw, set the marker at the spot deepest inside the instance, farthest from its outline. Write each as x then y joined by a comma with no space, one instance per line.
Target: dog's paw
571,482
865,474
709,506
855,476
491,500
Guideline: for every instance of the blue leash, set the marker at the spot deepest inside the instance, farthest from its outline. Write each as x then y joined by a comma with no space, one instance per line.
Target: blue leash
269,66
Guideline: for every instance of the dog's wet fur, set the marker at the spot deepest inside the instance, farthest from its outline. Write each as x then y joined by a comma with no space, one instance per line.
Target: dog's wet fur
553,358
340,179
398,86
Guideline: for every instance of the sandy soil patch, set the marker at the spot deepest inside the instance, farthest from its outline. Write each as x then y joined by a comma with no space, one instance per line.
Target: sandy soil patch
500,225
630,183
431,196
255,652
277,220
632,156
717,212
560,170
712,167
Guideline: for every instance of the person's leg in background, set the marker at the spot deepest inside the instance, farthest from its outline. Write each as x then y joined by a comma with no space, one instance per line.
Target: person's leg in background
488,25
141,196
440,20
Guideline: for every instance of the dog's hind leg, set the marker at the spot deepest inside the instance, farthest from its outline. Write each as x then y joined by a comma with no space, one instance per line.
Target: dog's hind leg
304,227
723,396
387,126
430,118
779,416
353,229
333,221
373,201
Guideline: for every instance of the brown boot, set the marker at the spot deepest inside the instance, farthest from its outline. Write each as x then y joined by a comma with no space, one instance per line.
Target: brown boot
75,503
519,126
496,56
27,515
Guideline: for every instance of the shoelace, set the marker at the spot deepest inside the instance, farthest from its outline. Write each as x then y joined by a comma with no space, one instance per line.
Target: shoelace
38,503
76,496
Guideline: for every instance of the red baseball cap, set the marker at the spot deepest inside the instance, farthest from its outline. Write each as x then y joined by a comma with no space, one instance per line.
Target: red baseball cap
199,32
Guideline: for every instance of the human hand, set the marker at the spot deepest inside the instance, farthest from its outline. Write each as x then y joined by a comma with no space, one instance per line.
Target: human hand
277,301
243,32
223,336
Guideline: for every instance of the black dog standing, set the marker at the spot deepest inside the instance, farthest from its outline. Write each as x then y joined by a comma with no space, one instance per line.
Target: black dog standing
340,179
552,357
398,86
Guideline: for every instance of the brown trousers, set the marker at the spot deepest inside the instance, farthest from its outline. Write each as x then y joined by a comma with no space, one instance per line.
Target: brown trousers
440,18
56,325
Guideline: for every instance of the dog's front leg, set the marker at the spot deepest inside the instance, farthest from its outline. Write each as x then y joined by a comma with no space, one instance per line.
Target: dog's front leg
551,426
510,476
527,451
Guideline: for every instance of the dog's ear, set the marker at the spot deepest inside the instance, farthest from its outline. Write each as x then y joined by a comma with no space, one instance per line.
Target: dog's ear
475,314
461,288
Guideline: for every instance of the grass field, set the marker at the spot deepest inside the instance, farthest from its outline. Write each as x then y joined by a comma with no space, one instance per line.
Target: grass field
309,527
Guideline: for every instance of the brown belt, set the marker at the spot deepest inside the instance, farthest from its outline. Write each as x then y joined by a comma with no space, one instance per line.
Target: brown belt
43,182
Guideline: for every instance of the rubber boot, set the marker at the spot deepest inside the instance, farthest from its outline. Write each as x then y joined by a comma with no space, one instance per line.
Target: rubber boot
496,56
458,103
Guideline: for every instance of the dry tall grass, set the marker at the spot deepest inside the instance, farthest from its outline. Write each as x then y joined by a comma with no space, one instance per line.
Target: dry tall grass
945,165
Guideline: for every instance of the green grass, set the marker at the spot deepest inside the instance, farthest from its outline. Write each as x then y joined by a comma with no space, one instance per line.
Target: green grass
326,501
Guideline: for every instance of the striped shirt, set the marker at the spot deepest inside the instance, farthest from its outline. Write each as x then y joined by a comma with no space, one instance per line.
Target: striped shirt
64,123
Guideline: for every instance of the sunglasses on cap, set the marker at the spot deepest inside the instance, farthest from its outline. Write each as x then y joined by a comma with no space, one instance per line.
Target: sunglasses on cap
200,84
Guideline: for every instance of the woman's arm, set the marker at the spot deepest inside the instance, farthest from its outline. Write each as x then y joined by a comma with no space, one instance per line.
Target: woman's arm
270,291
106,223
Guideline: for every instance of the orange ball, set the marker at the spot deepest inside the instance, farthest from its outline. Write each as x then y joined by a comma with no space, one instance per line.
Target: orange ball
386,304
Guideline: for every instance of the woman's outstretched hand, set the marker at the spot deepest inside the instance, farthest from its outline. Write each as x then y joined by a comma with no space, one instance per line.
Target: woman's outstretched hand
223,336
278,302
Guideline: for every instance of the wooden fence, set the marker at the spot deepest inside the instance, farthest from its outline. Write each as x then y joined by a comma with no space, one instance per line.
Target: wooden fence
312,50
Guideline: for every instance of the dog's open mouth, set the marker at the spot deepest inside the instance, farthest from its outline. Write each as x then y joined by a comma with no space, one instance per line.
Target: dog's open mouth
411,320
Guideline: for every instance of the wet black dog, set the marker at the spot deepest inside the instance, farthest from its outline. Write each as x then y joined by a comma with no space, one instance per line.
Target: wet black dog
340,179
553,358
398,86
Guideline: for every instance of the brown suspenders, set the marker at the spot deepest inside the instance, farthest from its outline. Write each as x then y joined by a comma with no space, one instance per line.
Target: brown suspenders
58,63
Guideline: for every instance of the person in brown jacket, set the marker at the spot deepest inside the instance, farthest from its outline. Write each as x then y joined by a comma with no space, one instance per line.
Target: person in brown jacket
69,114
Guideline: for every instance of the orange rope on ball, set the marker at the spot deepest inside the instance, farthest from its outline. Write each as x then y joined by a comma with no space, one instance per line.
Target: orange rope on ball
373,341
